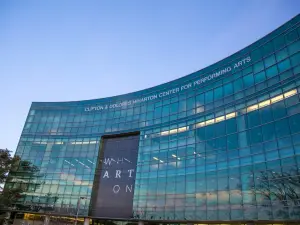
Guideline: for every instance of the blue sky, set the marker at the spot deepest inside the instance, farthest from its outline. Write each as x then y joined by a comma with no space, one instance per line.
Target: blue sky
75,50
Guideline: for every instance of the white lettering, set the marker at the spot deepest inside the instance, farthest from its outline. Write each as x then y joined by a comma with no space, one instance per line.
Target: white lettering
128,188
242,62
108,161
149,98
93,108
130,172
116,189
200,81
118,173
219,73
169,92
106,174
212,76
186,86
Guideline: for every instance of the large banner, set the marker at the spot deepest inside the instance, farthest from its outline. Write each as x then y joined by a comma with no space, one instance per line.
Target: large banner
114,186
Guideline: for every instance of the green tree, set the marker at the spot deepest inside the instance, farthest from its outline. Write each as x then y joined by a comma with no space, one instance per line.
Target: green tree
7,195
7,163
12,183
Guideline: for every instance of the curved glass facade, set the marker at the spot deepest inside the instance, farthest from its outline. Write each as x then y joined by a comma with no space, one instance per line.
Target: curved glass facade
221,144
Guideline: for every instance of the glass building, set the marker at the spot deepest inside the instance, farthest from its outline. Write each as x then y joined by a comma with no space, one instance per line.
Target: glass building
221,145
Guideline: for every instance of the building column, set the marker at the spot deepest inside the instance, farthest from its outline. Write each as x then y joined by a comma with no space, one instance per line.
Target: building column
86,221
141,223
47,220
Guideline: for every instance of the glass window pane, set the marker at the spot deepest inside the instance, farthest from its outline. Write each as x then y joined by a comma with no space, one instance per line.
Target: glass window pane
231,126
259,77
282,54
256,135
279,110
272,71
209,96
232,141
248,80
238,85
284,65
218,93
291,36
253,119
295,47
268,132
295,59
279,42
282,128
228,89
266,114
269,61
294,122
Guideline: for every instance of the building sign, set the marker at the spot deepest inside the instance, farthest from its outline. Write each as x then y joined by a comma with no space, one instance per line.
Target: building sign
115,182
172,91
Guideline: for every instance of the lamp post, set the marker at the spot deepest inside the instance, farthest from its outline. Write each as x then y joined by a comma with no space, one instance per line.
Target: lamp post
77,211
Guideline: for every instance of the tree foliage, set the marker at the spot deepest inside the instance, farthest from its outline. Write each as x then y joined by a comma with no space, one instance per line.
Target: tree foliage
13,168
279,193
282,187
7,163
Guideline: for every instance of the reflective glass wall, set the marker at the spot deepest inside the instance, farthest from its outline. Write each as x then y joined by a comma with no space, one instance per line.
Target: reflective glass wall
219,144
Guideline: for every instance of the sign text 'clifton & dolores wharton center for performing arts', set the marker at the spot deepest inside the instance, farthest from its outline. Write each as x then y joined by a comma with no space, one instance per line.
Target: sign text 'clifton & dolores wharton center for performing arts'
173,90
